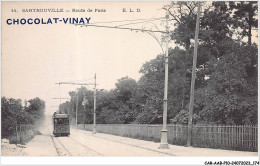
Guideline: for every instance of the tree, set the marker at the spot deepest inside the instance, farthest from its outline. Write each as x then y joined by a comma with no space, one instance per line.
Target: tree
215,28
184,15
226,75
125,89
14,114
245,16
65,108
10,109
229,97
36,108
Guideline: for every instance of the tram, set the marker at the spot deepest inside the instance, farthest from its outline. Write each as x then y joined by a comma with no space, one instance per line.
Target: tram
61,125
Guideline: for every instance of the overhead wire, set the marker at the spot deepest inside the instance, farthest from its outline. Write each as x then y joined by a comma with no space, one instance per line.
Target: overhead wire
77,81
82,80
140,22
125,20
116,27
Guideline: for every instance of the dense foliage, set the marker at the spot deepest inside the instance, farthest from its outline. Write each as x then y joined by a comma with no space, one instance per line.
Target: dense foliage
14,113
226,76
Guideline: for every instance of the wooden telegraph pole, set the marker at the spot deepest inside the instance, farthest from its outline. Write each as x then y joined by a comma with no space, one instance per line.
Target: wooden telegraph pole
84,104
94,122
77,109
193,78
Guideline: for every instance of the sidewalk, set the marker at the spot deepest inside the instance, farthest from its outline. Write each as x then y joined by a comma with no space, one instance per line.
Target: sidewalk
174,150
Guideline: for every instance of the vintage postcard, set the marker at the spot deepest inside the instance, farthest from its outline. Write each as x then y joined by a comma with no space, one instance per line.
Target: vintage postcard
130,79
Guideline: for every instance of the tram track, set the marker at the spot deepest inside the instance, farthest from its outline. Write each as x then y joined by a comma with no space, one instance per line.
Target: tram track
60,148
55,145
100,154
60,144
165,153
64,147
74,146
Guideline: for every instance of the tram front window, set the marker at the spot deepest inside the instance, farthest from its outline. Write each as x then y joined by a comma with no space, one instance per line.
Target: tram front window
61,121
66,121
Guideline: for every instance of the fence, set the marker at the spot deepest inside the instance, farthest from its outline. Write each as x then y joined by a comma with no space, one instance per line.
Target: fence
215,136
22,133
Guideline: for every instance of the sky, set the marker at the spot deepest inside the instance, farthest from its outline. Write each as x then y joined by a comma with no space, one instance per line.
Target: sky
36,56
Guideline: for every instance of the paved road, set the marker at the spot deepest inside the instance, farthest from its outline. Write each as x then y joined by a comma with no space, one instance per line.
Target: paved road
80,144
84,143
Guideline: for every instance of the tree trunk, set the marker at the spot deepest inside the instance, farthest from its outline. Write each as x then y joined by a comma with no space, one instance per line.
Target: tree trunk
183,99
187,46
250,29
250,22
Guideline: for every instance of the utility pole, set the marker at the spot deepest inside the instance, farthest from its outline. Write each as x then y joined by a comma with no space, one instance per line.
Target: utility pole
193,78
77,110
84,101
164,141
94,123
72,106
73,83
60,100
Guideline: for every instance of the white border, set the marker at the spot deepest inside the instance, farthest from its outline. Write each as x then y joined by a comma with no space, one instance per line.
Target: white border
119,160
178,160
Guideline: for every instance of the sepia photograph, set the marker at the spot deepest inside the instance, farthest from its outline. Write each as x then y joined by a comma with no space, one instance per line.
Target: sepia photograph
153,79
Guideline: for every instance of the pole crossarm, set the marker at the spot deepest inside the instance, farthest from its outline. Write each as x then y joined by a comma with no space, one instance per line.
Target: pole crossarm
75,83
116,27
